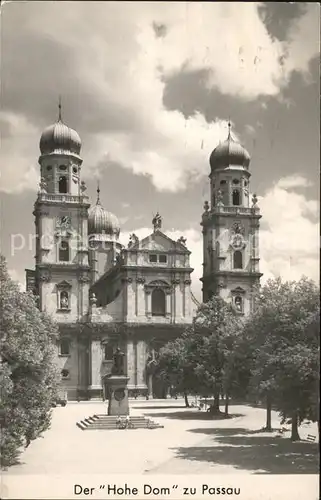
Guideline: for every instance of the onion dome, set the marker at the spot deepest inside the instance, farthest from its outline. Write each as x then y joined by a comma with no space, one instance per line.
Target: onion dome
100,221
60,139
229,153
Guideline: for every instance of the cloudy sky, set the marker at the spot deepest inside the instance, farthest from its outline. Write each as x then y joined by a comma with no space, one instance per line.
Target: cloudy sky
149,87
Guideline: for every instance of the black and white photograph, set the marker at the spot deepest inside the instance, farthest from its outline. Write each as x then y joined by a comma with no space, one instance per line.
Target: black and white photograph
160,299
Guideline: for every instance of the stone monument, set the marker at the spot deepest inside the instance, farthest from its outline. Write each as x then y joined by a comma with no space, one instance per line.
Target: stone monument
116,385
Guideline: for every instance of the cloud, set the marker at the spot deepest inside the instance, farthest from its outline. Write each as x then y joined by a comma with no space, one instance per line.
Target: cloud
302,42
19,279
294,181
289,236
18,163
111,71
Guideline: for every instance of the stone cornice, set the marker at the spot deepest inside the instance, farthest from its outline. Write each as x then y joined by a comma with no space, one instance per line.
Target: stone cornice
231,274
150,269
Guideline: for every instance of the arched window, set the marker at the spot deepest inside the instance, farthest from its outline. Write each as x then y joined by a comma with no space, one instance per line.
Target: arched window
108,352
158,302
237,260
63,185
222,183
236,181
236,197
64,254
238,302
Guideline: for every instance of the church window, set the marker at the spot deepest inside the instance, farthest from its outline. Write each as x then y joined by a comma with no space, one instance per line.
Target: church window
158,302
153,258
64,300
63,185
64,373
64,347
236,181
236,197
64,251
75,170
163,259
238,302
237,260
108,352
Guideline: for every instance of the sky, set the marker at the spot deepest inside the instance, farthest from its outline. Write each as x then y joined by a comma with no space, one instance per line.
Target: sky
150,87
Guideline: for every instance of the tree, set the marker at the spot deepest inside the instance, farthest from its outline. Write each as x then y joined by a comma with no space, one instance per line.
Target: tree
220,327
29,377
175,364
284,333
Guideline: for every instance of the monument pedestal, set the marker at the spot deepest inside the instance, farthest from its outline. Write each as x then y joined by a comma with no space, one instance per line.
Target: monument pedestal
116,388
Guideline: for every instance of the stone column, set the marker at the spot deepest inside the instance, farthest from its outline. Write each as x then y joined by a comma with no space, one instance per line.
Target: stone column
168,304
140,297
131,364
150,385
96,358
148,298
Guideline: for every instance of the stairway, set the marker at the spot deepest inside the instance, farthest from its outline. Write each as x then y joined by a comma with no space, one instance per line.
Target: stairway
106,422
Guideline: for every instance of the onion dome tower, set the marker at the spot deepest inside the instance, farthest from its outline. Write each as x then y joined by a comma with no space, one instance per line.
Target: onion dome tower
103,233
61,211
230,228
60,159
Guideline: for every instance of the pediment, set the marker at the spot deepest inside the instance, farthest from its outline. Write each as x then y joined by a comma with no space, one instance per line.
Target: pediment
160,242
64,284
238,289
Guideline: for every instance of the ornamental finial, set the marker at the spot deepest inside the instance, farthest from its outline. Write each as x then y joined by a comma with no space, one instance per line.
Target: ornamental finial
59,109
98,194
229,128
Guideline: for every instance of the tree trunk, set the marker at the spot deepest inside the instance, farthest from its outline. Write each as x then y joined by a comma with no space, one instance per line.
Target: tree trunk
216,403
186,399
294,428
226,404
268,426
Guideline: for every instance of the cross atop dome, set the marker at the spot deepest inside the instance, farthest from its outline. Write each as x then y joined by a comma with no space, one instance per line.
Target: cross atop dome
98,193
229,136
59,110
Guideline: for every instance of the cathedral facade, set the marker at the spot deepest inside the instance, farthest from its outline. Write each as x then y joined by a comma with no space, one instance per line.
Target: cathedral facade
104,295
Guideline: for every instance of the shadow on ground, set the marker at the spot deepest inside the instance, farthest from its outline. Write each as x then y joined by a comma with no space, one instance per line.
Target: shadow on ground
263,454
191,415
160,407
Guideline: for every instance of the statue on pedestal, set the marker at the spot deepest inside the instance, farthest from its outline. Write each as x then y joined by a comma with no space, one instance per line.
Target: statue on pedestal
118,366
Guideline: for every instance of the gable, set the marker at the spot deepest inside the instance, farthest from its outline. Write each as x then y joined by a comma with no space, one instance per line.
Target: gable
160,242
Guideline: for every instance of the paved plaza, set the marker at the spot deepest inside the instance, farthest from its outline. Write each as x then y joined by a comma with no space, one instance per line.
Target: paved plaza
189,443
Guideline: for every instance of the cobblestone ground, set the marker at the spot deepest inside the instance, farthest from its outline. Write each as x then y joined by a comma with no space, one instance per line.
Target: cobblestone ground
189,443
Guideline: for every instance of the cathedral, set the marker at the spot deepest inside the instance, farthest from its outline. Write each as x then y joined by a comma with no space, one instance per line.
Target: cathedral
104,295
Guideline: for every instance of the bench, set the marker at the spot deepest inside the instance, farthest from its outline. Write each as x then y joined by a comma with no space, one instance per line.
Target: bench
311,438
